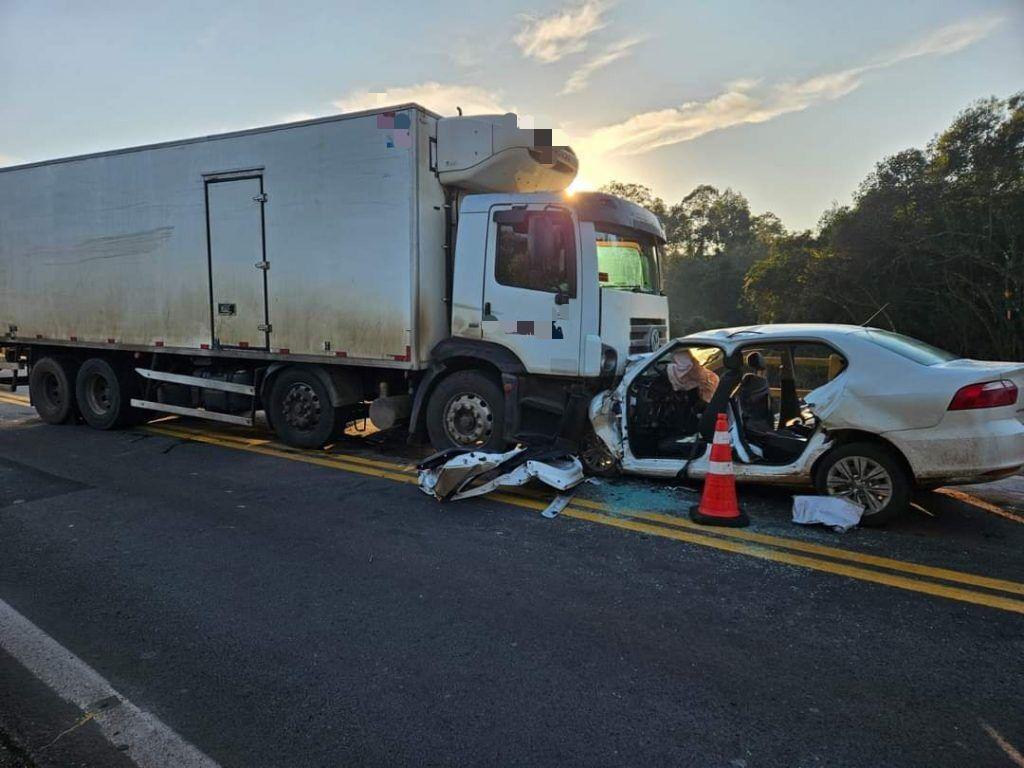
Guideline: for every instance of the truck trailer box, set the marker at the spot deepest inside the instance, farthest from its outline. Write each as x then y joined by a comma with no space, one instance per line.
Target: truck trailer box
322,239
395,263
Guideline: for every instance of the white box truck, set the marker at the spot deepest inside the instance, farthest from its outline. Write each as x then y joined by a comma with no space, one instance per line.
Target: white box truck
419,268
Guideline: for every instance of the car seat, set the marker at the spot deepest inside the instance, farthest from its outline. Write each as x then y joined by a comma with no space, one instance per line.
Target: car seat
727,383
755,396
753,405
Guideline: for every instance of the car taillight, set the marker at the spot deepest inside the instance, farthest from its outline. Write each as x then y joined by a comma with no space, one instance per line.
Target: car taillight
988,394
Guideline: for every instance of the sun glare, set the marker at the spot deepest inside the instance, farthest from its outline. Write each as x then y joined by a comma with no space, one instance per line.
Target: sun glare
579,184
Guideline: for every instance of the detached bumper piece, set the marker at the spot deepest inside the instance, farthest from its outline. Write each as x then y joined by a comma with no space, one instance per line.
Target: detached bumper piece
459,474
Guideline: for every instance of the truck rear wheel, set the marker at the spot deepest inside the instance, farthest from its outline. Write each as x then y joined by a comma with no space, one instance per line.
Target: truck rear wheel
104,394
300,409
466,410
51,386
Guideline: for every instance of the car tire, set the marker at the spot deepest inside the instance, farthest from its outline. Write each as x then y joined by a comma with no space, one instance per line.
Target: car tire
51,387
864,471
104,394
467,410
300,410
595,457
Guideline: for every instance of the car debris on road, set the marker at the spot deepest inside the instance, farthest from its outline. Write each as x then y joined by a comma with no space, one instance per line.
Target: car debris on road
459,474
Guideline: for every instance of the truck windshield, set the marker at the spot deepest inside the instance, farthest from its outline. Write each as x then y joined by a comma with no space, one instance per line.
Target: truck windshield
627,261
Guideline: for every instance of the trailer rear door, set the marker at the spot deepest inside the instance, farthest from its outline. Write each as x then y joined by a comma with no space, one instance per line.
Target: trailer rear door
238,264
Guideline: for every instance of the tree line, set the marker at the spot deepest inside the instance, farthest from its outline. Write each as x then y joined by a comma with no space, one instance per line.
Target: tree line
932,245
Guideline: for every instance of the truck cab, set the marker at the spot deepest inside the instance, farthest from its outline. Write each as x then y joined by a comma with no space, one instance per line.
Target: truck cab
550,292
571,284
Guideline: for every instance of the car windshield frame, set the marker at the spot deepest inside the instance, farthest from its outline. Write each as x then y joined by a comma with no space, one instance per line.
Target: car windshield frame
908,347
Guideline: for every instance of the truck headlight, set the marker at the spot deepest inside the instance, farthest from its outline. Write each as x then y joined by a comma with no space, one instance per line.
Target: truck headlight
609,360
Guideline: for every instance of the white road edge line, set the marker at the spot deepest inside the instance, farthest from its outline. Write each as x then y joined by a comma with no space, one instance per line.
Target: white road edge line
151,743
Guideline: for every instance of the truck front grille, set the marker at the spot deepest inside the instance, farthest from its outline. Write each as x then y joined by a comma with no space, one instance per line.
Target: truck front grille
646,334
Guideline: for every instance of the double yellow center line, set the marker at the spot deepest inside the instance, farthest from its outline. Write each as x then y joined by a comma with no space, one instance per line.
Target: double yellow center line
13,399
939,582
929,580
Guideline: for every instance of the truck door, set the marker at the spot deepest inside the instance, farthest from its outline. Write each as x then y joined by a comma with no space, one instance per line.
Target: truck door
531,292
238,265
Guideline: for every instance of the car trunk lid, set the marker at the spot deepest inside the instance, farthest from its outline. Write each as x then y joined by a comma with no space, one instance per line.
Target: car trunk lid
963,373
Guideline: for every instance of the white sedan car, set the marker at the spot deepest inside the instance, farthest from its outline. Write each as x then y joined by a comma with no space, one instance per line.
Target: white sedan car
857,412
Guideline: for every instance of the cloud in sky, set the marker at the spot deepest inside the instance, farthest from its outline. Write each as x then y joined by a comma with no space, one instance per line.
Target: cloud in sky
745,102
741,102
465,53
948,39
579,79
440,97
551,38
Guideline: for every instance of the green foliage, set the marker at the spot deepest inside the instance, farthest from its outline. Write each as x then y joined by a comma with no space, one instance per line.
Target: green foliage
933,243
713,240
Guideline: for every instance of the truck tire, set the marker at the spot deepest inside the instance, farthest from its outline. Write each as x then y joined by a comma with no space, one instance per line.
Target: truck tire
104,394
869,475
51,387
300,410
467,410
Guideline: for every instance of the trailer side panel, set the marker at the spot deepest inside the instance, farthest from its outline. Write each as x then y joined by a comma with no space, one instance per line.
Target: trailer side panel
131,248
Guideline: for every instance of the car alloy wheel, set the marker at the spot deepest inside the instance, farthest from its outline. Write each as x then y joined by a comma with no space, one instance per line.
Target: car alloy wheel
595,456
861,480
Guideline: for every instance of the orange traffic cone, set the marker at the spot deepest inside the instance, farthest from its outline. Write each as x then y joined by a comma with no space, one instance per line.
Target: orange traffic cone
718,505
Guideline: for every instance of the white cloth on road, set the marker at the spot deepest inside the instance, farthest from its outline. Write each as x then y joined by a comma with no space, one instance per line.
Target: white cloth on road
834,511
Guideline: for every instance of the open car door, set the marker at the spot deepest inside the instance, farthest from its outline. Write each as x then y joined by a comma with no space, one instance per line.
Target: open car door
645,424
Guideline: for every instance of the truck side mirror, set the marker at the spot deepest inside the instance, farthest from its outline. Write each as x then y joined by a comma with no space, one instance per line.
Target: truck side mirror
562,297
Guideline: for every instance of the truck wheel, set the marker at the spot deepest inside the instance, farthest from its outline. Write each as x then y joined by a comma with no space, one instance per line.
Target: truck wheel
300,409
104,394
467,410
51,386
869,475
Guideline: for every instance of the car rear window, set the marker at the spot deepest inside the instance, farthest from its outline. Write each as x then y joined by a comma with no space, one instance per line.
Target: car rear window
912,349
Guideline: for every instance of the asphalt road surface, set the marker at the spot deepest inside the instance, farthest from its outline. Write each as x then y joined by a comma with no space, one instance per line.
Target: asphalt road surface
186,594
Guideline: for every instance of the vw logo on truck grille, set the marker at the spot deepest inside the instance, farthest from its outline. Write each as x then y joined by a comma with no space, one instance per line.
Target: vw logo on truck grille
646,334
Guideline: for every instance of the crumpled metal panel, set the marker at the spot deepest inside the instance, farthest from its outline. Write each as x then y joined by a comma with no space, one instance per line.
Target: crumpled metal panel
476,473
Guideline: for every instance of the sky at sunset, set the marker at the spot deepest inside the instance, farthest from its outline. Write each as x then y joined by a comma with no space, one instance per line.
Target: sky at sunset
790,103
